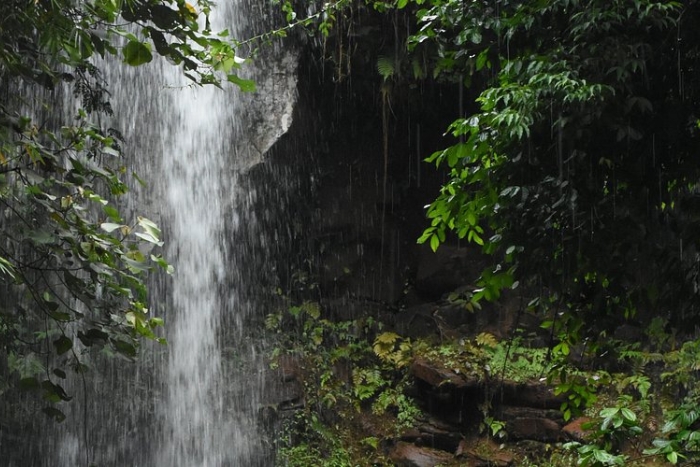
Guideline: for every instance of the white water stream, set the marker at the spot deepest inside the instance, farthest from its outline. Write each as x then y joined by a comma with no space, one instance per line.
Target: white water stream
190,404
206,140
198,173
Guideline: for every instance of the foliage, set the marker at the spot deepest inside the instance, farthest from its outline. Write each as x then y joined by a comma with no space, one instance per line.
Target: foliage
619,424
528,176
349,368
682,437
496,428
72,266
320,22
574,166
547,173
512,361
392,348
39,39
467,357
321,447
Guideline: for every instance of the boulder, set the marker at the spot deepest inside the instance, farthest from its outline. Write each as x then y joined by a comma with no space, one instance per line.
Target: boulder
445,270
409,455
435,434
536,429
530,394
437,376
575,430
485,453
507,412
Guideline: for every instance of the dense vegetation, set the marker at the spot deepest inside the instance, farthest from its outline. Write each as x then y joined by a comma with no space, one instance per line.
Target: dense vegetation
574,168
72,267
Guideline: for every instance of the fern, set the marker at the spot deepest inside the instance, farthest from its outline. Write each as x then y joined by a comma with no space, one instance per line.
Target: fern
486,339
386,67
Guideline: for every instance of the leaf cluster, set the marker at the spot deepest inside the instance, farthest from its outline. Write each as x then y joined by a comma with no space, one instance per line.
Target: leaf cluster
550,173
73,267
350,368
40,39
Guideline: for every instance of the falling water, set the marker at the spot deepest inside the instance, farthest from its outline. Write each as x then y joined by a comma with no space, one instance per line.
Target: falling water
206,141
194,170
194,402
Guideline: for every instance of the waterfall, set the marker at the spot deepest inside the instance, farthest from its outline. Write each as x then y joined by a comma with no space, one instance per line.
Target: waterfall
197,176
194,402
207,139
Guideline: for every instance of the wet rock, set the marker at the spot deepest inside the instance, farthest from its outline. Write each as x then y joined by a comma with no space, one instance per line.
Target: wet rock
269,115
486,454
288,367
435,434
535,448
499,459
530,394
576,431
507,412
417,321
283,390
448,395
409,455
445,270
629,333
537,429
437,376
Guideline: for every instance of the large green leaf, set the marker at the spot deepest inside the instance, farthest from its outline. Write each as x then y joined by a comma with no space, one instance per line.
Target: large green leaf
246,85
63,344
137,53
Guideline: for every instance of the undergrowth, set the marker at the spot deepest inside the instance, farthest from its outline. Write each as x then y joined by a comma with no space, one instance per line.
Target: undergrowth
357,390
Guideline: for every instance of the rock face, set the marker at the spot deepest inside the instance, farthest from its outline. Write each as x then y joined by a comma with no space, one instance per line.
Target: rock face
528,409
410,455
576,430
356,213
269,111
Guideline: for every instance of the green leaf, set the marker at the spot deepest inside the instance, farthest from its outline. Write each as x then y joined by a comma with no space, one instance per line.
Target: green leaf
112,213
155,322
164,17
434,242
92,337
54,392
137,53
163,264
63,344
385,67
41,237
482,60
246,85
110,151
125,348
7,268
151,234
149,226
149,238
628,414
60,316
312,309
54,413
110,227
135,266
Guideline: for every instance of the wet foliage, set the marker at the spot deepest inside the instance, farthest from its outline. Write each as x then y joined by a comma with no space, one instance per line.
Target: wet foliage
72,265
572,165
